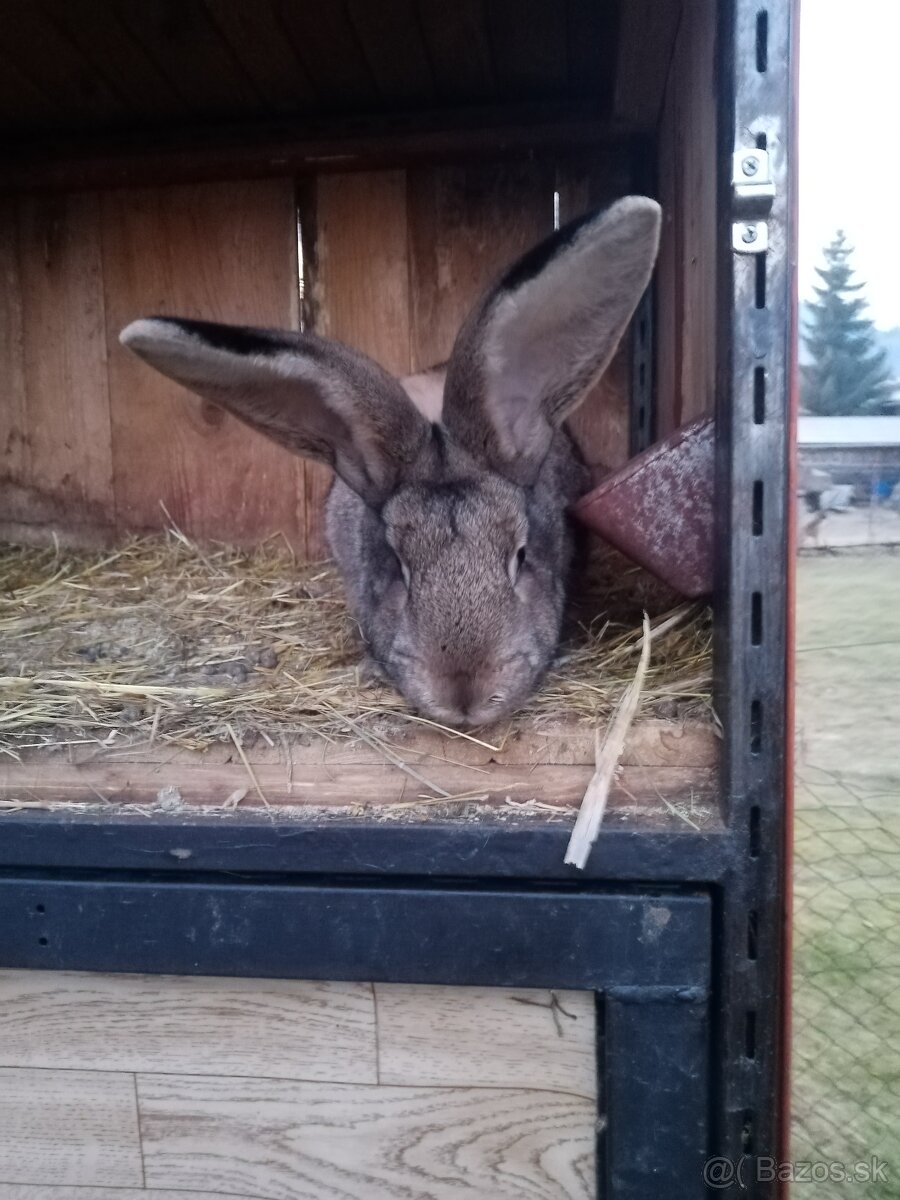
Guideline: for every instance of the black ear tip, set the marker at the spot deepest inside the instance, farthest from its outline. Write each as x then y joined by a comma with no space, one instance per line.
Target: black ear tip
155,332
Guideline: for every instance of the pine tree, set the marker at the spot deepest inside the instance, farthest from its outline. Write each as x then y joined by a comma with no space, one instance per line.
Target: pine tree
848,374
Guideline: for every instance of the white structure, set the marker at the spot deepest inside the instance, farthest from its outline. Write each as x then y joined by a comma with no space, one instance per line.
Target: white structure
847,432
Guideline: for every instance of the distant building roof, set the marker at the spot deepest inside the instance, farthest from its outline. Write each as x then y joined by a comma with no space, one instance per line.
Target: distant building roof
848,431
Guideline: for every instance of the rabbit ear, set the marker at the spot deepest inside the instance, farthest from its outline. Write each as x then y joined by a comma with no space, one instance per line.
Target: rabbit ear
537,343
313,396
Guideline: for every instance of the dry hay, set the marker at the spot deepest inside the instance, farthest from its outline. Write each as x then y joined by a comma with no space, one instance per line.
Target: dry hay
168,642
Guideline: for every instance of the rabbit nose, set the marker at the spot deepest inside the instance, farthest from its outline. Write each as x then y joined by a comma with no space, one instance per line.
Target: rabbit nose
467,697
462,692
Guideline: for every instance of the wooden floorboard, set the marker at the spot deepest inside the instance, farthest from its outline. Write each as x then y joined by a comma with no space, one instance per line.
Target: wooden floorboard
664,764
243,1027
486,1037
72,1127
281,1140
298,1090
641,792
46,1191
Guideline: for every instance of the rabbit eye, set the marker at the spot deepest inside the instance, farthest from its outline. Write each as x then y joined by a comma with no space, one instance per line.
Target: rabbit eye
404,569
515,564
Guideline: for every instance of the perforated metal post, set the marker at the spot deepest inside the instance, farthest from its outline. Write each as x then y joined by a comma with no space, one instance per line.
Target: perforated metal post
753,358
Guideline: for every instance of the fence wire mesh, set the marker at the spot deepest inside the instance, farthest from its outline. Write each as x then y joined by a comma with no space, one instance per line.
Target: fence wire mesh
846,1023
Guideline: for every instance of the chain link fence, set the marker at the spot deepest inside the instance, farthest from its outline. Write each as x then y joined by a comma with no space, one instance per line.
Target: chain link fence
846,1024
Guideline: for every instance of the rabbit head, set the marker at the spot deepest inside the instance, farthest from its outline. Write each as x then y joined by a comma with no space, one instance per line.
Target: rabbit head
451,535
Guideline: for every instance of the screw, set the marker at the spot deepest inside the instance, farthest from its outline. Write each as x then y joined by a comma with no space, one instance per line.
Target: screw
750,165
749,234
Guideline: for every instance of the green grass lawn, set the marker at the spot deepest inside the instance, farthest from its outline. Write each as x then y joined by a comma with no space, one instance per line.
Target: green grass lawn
847,868
848,666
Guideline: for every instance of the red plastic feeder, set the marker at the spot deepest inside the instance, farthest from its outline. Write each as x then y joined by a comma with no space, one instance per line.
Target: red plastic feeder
658,509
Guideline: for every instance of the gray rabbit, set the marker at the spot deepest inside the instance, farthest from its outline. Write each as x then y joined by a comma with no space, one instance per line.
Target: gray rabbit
452,535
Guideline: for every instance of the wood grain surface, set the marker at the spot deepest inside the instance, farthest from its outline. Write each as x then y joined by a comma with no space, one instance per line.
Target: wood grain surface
282,1089
111,53
640,795
45,1191
358,286
298,1030
651,742
686,272
287,1141
395,51
257,38
466,225
274,1089
487,1037
184,41
63,347
222,252
75,1127
57,70
643,52
15,472
93,440
458,48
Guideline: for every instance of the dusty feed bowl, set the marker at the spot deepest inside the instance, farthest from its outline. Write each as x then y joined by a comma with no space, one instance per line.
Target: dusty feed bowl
658,509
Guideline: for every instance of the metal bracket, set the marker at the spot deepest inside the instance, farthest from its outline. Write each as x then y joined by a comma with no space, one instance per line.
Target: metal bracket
753,191
750,237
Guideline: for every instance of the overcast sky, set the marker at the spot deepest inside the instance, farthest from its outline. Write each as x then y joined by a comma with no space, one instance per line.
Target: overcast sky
850,142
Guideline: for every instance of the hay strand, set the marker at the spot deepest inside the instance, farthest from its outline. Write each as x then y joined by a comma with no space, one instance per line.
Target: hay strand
160,642
247,767
593,806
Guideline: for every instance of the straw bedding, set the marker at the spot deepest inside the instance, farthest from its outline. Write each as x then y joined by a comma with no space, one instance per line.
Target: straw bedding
168,642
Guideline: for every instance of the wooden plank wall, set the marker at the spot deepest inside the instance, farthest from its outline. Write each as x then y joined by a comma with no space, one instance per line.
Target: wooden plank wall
686,274
248,1088
134,64
223,251
55,402
96,445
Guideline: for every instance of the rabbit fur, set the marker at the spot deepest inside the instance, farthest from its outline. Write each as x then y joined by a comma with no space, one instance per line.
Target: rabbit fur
451,535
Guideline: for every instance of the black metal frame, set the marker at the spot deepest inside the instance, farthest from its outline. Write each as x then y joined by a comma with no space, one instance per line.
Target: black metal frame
751,652
690,1016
